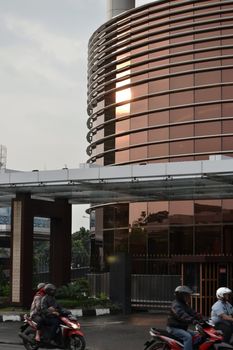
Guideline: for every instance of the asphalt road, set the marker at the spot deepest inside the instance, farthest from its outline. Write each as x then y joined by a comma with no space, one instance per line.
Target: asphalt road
101,333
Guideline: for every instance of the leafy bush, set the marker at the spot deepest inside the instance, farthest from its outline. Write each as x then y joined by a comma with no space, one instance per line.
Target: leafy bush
74,290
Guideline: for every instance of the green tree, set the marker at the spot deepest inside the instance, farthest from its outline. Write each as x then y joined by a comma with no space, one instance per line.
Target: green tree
81,248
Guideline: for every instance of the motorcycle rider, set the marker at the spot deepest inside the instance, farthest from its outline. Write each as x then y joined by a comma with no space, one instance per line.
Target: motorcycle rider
222,313
51,310
36,308
181,316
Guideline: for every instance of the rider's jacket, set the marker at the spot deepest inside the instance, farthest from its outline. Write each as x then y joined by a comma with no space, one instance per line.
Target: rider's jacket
47,302
181,315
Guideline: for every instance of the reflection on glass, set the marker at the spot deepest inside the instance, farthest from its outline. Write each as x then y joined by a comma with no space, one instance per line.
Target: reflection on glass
181,240
208,240
125,94
207,211
158,242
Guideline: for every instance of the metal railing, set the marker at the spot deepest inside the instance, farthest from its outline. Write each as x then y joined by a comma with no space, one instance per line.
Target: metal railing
152,291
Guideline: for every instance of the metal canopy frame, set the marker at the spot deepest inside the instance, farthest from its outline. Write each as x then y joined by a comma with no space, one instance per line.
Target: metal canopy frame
209,179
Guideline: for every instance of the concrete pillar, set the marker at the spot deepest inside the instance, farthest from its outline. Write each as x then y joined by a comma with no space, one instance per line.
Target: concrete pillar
115,7
24,209
120,281
22,250
60,244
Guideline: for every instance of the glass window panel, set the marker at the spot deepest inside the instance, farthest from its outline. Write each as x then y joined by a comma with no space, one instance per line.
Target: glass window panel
182,68
208,111
207,211
181,114
227,143
160,150
108,243
181,212
159,72
122,156
138,153
141,58
210,77
159,118
157,54
161,62
207,64
227,126
181,131
227,109
209,94
139,90
158,241
207,54
122,126
180,98
138,137
121,215
137,214
140,67
181,240
227,210
182,159
210,128
158,134
122,141
139,77
181,58
139,122
227,62
139,106
227,75
159,102
158,85
143,48
227,92
181,147
138,240
181,81
121,240
208,145
157,214
108,217
228,240
208,240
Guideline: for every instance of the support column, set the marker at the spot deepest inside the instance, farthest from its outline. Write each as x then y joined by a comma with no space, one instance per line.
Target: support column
60,244
120,281
22,250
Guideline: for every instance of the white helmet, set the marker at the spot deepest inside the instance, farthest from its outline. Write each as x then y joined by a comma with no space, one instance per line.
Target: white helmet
221,291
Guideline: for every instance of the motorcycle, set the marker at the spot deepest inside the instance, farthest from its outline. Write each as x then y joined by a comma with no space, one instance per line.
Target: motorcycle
205,338
69,335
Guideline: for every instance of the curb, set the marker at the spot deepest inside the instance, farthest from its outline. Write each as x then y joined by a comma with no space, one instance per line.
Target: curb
76,312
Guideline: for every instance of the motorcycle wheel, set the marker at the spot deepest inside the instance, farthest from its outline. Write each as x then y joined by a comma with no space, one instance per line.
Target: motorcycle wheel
77,342
31,334
157,346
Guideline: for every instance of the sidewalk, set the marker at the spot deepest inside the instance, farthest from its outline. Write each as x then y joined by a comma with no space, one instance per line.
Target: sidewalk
18,315
160,316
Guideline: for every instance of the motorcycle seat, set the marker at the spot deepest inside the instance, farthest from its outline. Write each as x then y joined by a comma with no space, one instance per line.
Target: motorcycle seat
157,331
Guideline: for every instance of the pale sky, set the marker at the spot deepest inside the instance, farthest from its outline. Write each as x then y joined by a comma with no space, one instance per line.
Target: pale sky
43,78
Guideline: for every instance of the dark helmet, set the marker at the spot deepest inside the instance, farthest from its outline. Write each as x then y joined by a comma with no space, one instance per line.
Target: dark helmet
50,289
183,289
40,285
182,292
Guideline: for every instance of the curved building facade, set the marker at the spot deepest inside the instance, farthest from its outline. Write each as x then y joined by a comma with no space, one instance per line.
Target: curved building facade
160,89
